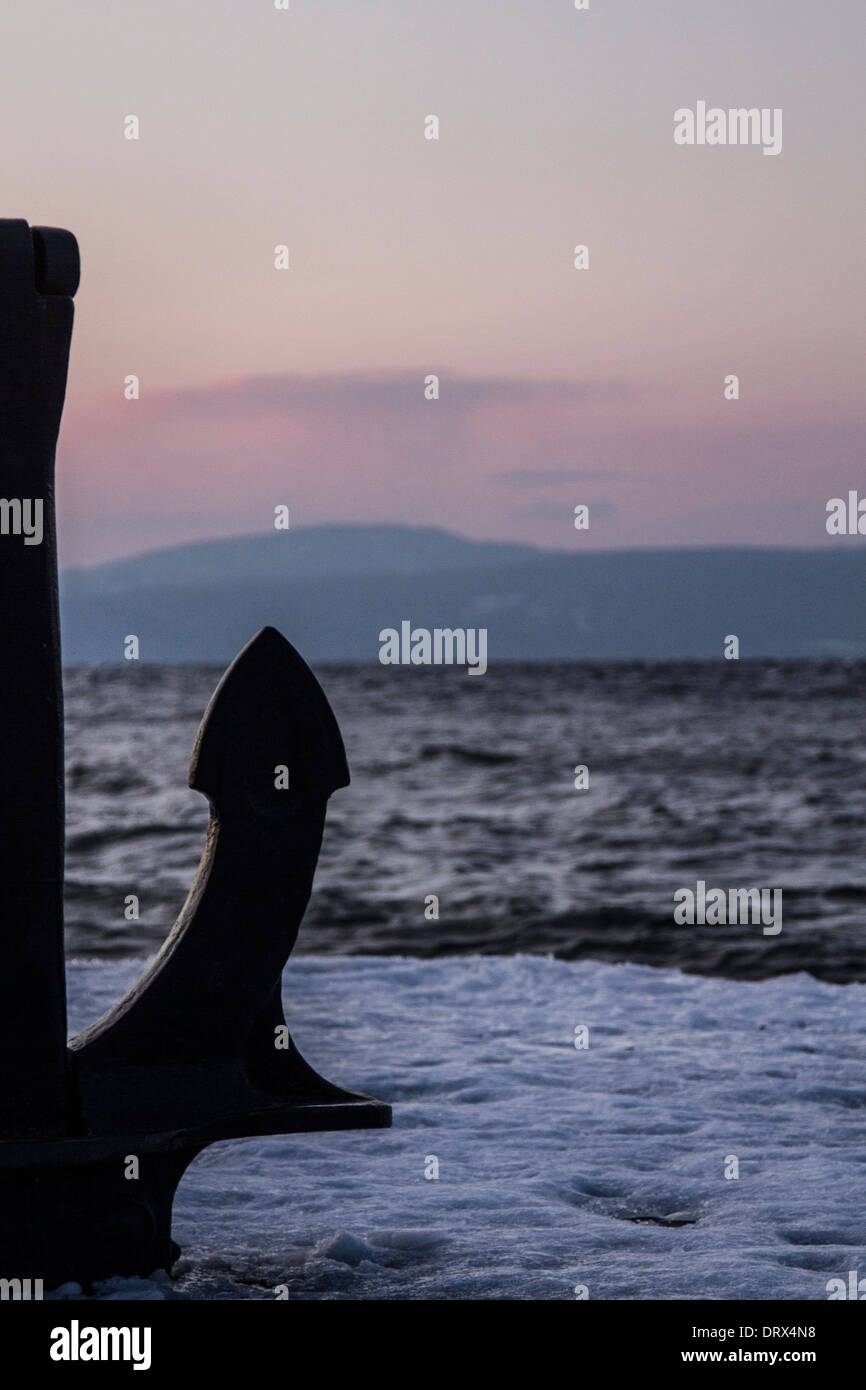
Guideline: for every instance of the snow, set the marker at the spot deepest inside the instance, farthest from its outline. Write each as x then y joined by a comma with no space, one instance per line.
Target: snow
556,1165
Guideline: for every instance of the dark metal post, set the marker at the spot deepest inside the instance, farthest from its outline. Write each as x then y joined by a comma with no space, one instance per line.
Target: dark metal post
38,277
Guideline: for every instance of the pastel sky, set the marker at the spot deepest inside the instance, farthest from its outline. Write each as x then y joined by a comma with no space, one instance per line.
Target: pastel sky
454,257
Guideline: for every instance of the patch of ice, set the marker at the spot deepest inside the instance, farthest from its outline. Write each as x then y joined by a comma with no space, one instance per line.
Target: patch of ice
346,1249
556,1166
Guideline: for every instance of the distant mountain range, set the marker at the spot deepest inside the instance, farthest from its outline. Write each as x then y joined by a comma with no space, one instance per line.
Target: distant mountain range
331,589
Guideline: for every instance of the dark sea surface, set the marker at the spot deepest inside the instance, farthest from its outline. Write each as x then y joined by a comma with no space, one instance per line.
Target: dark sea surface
743,774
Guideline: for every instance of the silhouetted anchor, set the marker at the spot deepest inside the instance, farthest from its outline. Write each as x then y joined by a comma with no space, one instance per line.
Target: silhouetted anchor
198,1049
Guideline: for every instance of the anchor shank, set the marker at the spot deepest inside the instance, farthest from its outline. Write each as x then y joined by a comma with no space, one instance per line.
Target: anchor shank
38,276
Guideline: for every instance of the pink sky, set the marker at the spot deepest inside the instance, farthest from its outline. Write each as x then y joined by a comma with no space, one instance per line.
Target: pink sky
454,257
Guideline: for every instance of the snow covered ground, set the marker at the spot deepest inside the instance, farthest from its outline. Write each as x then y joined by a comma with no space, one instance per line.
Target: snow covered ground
558,1167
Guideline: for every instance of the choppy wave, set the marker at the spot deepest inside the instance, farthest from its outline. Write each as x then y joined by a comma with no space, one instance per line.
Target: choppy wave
740,774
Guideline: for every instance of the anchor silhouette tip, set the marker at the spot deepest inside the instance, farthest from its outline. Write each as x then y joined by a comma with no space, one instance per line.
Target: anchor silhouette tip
268,710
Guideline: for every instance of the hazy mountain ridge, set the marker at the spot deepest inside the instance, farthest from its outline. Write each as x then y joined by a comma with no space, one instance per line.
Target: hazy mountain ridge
331,590
315,551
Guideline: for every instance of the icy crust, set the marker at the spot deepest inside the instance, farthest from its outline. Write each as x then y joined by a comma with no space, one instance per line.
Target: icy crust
558,1167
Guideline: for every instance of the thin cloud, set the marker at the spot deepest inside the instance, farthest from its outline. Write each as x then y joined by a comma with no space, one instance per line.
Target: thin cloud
368,392
530,477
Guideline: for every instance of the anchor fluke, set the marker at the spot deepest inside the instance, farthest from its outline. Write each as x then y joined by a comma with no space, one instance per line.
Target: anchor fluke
200,1039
